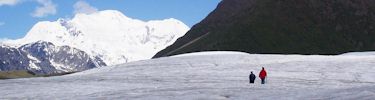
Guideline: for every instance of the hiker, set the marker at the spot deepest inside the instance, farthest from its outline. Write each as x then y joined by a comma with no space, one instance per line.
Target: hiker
252,77
263,75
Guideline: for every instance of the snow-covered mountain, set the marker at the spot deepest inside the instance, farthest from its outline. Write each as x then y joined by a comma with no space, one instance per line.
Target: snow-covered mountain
211,76
109,35
44,58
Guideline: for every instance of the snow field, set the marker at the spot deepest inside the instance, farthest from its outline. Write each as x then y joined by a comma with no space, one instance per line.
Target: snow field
210,75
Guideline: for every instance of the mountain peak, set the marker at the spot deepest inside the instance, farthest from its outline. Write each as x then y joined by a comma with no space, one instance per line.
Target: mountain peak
106,14
109,34
111,13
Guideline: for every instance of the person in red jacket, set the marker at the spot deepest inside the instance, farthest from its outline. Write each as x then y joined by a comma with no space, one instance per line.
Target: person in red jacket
263,75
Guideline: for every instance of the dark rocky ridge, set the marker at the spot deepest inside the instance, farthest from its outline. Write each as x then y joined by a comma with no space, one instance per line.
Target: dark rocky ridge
13,59
44,58
283,27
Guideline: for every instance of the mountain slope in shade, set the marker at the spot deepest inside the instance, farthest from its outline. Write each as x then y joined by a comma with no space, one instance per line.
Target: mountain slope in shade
284,26
109,35
13,59
44,58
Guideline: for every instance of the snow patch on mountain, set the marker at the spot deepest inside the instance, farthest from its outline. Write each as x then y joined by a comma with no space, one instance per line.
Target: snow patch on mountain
209,53
359,54
32,62
109,35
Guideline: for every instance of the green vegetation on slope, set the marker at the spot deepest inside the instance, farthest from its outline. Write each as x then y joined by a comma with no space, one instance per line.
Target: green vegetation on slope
16,74
26,74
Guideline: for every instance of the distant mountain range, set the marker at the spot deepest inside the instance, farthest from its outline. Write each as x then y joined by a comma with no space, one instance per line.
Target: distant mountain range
88,40
283,27
44,58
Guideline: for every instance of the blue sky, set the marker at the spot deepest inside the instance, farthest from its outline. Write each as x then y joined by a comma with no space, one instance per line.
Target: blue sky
18,16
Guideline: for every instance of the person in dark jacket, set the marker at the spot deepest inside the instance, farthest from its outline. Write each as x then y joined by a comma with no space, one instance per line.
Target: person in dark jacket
263,75
252,78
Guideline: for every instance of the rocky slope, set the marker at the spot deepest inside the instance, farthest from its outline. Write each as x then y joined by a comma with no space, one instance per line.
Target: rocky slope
283,26
44,58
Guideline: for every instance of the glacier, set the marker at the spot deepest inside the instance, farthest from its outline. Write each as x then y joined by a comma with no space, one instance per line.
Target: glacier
107,34
211,75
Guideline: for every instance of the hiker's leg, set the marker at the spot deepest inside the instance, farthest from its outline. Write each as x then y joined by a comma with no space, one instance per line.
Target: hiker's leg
263,80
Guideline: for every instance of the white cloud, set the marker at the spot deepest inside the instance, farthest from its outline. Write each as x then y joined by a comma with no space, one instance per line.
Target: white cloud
47,8
84,7
9,2
2,23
